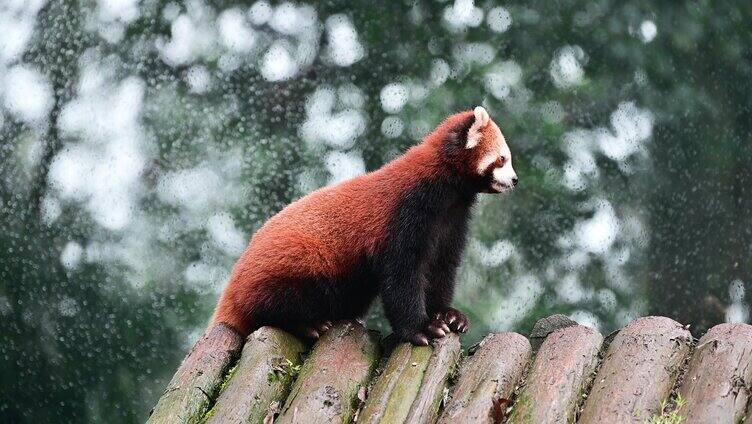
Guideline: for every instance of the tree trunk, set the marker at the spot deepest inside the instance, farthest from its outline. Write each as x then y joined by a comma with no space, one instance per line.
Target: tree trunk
197,381
717,385
270,362
412,385
328,385
560,373
638,371
488,379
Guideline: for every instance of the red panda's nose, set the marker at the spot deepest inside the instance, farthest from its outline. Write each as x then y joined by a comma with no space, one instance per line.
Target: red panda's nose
514,181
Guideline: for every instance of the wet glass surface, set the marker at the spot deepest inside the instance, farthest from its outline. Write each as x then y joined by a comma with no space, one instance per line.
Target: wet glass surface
143,142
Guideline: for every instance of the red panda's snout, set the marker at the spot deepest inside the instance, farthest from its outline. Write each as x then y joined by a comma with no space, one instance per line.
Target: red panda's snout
503,178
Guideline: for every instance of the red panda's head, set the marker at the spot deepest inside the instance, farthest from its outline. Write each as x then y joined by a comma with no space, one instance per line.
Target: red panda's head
476,149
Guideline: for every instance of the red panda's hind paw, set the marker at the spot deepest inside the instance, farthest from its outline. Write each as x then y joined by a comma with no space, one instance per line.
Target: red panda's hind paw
312,331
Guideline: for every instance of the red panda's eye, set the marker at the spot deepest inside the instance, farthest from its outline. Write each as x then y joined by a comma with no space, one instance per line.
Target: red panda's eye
502,159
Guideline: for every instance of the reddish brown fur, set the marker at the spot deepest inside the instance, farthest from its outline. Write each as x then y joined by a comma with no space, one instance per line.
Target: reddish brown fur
323,235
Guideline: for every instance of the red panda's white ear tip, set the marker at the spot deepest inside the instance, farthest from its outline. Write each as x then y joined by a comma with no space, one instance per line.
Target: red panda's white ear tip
474,134
481,116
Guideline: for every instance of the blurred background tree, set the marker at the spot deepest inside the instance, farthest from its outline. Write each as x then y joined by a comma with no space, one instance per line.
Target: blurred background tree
144,142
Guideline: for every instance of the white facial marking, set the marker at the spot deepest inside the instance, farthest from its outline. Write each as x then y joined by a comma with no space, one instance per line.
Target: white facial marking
487,160
481,120
503,177
498,149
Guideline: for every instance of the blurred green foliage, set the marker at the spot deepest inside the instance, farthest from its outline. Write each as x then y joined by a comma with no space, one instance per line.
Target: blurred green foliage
98,340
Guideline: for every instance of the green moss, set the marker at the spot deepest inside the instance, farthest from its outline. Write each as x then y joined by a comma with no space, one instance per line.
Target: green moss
454,374
225,382
208,415
227,379
522,410
409,377
670,412
283,367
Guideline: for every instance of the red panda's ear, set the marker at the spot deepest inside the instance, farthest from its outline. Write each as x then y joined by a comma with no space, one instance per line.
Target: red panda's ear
481,116
456,137
481,120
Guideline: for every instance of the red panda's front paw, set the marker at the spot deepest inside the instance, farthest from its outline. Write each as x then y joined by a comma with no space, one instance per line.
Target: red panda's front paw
432,329
456,320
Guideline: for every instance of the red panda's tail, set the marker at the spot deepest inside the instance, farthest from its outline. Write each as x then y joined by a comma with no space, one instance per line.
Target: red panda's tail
235,315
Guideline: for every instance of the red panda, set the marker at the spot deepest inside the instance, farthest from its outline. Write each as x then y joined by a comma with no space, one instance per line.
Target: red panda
397,232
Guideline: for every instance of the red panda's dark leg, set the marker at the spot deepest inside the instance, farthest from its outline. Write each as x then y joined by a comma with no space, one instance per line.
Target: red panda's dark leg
441,269
402,289
404,305
440,277
439,299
